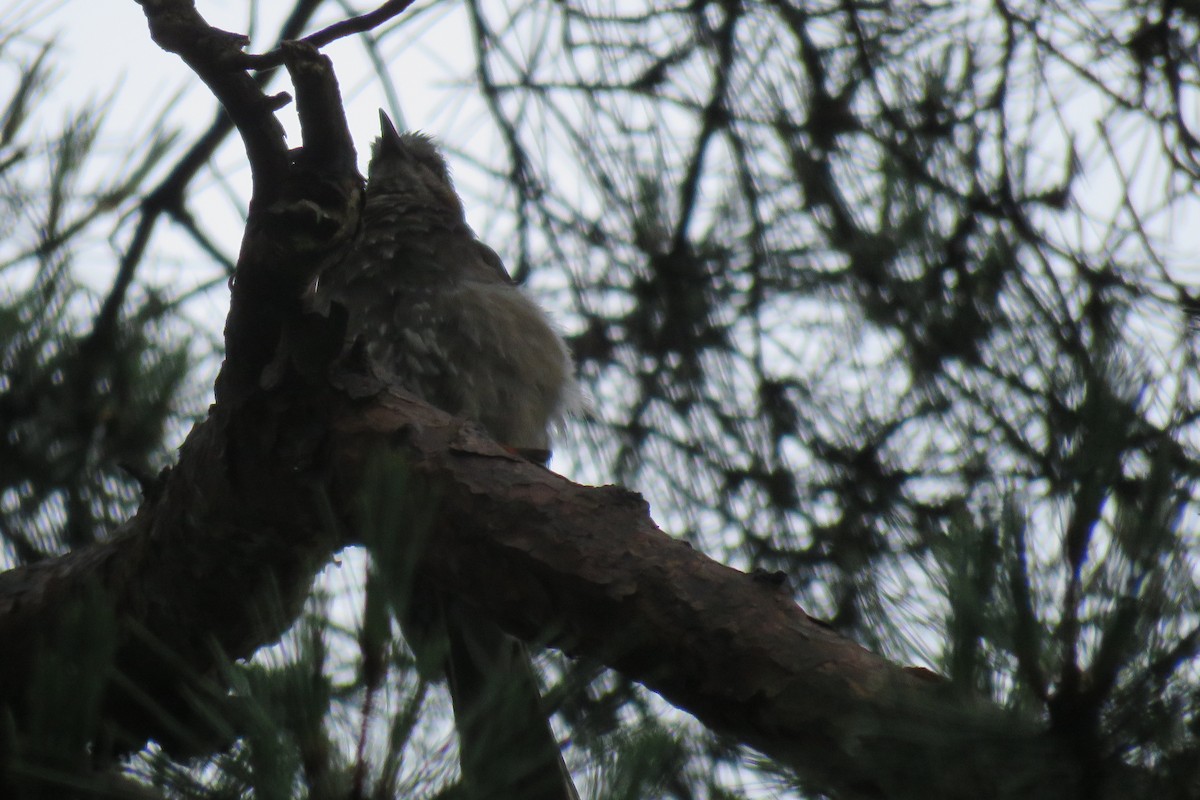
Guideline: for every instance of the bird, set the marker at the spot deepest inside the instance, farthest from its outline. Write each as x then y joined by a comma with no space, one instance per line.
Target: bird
430,309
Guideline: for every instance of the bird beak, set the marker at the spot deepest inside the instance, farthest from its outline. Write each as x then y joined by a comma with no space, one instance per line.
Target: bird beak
389,139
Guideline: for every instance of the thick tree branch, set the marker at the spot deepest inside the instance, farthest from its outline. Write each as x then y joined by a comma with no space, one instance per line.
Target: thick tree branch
304,204
586,570
235,534
218,559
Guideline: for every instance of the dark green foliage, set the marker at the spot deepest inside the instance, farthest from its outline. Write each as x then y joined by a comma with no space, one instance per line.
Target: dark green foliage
50,756
89,383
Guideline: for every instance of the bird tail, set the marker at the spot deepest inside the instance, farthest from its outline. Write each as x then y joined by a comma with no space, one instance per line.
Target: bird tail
506,745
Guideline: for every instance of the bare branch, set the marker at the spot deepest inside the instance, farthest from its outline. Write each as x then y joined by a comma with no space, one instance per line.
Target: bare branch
215,56
339,30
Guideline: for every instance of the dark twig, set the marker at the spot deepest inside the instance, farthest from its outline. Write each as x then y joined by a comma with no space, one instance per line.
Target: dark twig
339,30
214,56
168,197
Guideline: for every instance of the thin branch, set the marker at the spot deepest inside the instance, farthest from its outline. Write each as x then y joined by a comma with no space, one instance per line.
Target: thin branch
339,30
214,55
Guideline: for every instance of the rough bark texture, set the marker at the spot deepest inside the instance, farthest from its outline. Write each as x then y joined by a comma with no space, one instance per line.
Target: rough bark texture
219,560
581,568
586,570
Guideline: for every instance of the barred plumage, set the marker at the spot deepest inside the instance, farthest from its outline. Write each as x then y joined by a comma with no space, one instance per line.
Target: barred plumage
435,308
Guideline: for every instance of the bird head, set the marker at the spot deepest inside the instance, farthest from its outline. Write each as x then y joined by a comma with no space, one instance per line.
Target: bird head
409,163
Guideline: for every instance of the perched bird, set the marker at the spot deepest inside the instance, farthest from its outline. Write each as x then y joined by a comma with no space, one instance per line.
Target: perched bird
431,309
